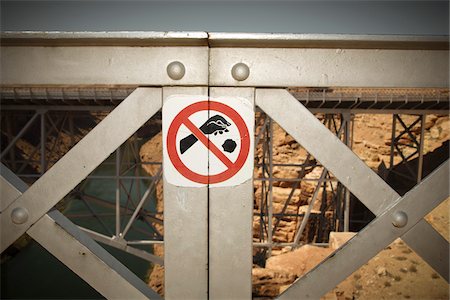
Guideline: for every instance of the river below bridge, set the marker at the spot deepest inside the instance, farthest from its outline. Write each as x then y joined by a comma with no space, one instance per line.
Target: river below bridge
34,273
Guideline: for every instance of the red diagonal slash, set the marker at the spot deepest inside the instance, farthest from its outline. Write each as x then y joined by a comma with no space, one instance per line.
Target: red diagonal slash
210,145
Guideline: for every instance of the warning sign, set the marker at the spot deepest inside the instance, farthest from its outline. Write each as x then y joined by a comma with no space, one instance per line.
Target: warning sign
207,141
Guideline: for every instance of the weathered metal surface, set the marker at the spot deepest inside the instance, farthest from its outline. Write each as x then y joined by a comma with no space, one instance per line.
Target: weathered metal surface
230,228
185,231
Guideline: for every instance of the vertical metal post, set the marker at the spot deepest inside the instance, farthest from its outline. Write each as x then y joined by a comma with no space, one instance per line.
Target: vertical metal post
19,135
270,199
43,142
264,181
305,219
12,153
263,186
135,148
347,211
71,129
230,222
339,214
185,229
118,192
346,119
422,141
391,161
151,188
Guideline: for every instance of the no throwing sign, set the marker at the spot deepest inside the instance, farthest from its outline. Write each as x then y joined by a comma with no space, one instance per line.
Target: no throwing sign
207,141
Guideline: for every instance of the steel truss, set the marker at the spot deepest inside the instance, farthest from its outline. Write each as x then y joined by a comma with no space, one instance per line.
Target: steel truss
46,129
269,222
62,122
339,128
67,242
201,248
382,200
25,216
407,145
54,128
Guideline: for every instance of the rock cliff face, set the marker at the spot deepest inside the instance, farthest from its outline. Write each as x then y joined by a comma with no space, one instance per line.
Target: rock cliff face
152,152
371,142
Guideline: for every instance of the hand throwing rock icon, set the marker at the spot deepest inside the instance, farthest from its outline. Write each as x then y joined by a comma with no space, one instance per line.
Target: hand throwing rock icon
215,124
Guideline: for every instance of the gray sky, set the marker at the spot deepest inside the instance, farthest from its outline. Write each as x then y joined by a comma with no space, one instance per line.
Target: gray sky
351,17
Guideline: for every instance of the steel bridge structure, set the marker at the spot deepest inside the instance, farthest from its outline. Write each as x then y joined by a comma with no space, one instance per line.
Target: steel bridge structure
114,84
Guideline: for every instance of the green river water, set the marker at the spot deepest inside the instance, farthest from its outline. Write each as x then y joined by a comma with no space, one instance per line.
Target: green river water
34,273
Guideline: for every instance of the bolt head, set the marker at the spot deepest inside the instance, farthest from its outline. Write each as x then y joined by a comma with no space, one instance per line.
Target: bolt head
399,219
240,71
19,215
176,70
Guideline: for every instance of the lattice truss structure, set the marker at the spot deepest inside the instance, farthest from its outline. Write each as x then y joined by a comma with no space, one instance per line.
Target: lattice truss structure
116,107
340,125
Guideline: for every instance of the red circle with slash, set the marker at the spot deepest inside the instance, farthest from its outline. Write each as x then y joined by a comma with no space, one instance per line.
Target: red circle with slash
182,118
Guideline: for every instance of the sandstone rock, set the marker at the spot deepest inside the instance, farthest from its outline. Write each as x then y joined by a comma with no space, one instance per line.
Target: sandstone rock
374,157
434,132
337,239
280,236
156,279
381,271
151,151
330,296
267,282
430,121
278,207
371,145
280,195
304,208
299,261
289,140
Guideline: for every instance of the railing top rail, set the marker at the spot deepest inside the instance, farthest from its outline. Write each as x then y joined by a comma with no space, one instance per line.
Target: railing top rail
344,41
222,39
103,38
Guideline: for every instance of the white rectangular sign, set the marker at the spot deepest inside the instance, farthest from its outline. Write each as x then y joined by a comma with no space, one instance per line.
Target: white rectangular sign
207,141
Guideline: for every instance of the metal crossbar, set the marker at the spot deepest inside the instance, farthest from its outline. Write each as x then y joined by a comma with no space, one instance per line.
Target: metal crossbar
375,237
77,251
367,186
417,145
81,161
101,69
27,212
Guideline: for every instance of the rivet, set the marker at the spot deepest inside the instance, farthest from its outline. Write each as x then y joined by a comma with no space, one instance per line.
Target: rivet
240,71
176,70
19,215
399,219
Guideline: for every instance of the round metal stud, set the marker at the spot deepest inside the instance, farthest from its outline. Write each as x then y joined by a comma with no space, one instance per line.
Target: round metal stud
399,219
19,215
240,71
176,70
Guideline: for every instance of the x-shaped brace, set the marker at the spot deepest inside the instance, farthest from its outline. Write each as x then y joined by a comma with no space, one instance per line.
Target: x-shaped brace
372,191
25,209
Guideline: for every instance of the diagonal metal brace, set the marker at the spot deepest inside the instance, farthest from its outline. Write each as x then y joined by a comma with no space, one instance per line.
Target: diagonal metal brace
376,194
79,252
80,161
373,238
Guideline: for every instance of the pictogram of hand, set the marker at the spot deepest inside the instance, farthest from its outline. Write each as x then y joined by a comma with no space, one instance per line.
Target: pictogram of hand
214,125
